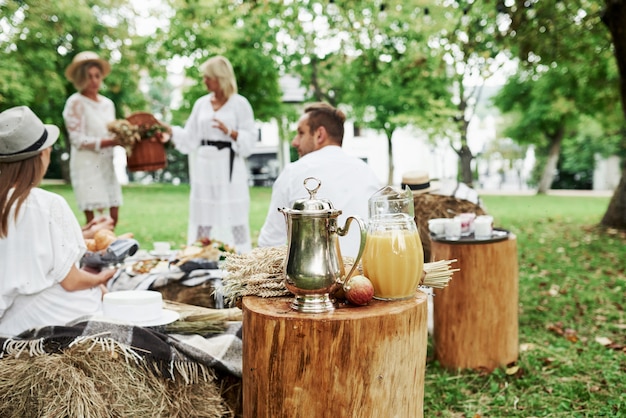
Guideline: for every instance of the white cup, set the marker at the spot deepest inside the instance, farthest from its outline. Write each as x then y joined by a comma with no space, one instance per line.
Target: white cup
453,229
467,223
161,247
483,227
437,226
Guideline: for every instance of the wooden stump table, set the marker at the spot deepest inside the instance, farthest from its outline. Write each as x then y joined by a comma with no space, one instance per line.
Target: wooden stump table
364,361
476,316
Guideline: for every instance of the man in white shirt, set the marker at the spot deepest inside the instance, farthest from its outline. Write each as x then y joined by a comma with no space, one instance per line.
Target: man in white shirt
347,181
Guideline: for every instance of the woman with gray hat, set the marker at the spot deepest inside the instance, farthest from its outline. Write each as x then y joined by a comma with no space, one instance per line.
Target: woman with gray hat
87,114
41,241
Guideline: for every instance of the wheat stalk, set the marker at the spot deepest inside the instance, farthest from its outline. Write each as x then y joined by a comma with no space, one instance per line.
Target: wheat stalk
261,273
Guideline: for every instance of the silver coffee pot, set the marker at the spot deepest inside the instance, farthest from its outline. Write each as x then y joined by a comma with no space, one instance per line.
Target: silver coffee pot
314,265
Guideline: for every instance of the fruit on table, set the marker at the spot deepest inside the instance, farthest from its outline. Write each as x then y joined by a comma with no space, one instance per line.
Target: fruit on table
358,290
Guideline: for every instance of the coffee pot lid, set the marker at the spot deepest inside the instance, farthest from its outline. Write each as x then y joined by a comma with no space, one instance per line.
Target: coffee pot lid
312,204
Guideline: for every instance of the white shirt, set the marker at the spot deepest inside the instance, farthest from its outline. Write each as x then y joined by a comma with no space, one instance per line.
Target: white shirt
347,181
218,204
36,256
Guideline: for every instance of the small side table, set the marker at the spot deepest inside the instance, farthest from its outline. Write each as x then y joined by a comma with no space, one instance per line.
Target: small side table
476,316
364,361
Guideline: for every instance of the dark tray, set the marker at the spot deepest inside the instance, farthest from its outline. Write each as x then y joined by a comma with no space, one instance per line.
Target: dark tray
498,234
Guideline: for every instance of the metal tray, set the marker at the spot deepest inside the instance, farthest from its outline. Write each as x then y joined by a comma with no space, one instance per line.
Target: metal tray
498,234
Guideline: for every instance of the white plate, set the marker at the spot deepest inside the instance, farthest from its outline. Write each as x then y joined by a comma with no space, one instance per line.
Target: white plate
167,317
164,255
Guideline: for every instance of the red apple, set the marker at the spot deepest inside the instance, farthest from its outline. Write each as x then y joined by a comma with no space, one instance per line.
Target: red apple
359,290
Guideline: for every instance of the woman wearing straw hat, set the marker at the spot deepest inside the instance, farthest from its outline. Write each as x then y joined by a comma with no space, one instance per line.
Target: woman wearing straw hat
40,239
86,116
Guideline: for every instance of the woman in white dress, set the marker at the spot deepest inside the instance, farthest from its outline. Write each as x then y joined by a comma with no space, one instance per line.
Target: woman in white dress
219,135
41,241
86,116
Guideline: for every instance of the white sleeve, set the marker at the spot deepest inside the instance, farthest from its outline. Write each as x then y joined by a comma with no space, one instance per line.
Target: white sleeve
247,132
274,230
74,117
187,139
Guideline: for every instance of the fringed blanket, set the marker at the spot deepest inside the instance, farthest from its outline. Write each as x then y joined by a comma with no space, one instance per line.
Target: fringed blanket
99,369
172,356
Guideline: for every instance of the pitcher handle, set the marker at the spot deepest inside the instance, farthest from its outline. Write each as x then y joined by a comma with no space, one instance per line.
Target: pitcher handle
343,231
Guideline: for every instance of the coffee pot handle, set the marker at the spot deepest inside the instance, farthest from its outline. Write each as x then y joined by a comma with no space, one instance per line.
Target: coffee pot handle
343,231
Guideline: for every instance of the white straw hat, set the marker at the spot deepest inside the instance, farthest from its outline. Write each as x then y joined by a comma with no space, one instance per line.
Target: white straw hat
23,134
418,182
84,58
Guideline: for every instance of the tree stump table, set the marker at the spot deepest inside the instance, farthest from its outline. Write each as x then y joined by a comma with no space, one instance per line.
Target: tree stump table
364,361
476,316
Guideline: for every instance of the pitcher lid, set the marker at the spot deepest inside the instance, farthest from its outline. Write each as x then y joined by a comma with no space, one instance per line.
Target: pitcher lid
312,203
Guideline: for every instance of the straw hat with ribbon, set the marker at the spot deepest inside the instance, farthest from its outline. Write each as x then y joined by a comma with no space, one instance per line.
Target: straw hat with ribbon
418,182
23,134
83,58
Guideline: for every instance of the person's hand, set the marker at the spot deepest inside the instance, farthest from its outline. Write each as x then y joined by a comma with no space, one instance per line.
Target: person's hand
105,275
221,126
164,137
96,224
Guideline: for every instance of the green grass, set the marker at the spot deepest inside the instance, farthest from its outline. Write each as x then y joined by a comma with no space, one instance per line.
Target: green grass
572,277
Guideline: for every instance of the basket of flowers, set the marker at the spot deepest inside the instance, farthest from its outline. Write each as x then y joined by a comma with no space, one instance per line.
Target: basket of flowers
141,134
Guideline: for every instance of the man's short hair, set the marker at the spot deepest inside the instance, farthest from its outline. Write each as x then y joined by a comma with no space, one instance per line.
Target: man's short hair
332,119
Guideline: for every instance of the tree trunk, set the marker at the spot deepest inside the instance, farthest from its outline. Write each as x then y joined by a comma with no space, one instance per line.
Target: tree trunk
476,316
614,16
615,216
465,154
553,158
390,157
366,362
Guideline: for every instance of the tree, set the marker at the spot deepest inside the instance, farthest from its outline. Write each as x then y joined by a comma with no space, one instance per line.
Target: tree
614,16
370,57
242,32
474,52
41,40
554,41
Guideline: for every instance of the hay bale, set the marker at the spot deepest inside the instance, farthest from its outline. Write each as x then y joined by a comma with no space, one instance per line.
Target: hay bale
430,206
87,382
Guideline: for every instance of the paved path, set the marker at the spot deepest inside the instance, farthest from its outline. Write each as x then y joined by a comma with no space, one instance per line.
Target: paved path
532,192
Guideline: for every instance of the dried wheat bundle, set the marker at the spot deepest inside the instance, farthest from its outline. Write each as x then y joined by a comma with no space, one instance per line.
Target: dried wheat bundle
261,273
438,274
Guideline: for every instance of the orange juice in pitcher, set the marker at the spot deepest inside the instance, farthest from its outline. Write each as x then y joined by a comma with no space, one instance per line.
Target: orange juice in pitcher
393,258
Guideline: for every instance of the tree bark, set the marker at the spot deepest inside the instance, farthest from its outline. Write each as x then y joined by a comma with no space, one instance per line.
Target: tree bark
366,361
547,176
476,317
466,157
390,157
613,17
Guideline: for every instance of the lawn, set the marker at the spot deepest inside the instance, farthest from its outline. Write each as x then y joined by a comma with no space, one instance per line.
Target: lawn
572,285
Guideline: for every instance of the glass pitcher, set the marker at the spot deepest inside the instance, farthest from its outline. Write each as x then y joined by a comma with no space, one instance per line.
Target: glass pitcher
393,258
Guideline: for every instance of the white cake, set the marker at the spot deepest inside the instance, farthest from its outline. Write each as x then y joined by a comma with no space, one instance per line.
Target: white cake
133,306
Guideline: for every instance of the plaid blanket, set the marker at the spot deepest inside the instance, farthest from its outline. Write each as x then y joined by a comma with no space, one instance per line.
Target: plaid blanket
170,355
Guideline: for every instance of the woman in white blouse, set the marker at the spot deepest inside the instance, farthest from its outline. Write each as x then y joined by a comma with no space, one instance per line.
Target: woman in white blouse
41,241
86,116
219,134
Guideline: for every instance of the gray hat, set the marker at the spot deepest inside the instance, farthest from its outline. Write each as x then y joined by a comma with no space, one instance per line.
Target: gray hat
23,134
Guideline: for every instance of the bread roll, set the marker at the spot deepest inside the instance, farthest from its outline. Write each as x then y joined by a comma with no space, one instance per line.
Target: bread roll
103,238
91,244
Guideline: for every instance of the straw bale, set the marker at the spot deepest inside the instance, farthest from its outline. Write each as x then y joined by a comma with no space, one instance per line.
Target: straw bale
101,384
430,206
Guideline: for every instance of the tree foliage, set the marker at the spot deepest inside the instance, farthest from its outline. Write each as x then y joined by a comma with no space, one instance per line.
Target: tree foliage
39,42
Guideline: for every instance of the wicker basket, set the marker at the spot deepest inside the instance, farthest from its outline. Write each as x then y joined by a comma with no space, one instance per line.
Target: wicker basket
149,153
